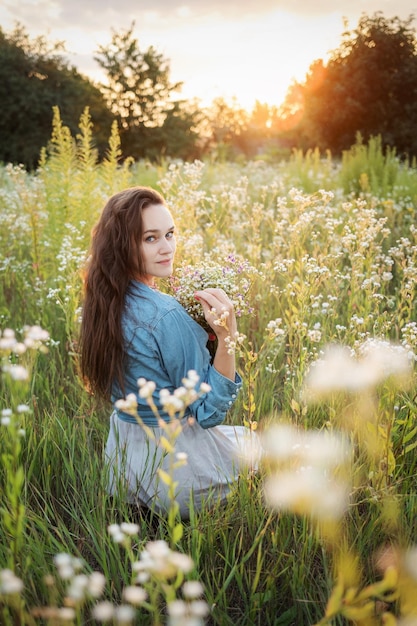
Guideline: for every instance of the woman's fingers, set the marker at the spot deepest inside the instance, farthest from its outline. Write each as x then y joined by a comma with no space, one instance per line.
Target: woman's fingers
214,298
218,310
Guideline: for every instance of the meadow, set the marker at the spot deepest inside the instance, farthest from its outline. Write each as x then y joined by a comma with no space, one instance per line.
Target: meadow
325,531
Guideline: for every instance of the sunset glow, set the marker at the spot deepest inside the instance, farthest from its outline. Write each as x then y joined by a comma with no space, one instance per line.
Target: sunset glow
238,53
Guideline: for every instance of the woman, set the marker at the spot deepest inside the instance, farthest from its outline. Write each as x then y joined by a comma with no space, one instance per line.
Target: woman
132,331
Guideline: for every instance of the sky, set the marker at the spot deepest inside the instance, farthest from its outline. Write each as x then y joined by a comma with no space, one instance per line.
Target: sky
246,50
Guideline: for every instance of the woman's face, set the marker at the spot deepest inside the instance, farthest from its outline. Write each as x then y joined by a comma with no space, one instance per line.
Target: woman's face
158,243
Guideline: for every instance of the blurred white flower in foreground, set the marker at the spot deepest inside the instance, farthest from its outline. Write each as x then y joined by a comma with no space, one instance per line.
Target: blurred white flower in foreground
157,560
249,450
285,443
191,613
309,471
307,491
339,370
9,582
16,372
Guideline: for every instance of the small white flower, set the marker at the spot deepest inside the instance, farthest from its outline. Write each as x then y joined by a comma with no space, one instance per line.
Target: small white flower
36,333
17,372
103,612
9,583
198,608
66,572
314,335
19,348
177,608
134,595
77,588
128,404
142,578
157,549
8,340
22,408
116,533
180,392
66,614
146,390
129,528
182,562
172,403
192,589
124,614
62,559
96,584
191,380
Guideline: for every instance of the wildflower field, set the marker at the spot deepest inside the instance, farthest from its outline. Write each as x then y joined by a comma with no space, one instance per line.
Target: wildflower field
326,531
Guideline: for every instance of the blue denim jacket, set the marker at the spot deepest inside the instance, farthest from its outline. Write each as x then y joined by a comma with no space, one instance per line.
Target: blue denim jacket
163,344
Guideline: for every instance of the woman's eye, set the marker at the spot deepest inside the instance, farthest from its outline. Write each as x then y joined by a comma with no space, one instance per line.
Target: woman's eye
150,239
170,235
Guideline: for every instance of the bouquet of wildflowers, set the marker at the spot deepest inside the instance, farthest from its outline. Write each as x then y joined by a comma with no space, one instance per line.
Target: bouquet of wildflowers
232,274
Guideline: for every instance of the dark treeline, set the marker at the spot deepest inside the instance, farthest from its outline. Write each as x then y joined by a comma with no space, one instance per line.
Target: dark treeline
368,86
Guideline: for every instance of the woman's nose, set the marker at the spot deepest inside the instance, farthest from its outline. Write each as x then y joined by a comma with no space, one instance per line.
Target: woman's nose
166,246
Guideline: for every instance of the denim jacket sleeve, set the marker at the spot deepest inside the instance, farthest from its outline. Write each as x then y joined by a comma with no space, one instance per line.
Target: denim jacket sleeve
182,345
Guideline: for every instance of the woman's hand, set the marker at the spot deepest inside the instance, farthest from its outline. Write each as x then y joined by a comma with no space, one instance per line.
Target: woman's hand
218,311
220,315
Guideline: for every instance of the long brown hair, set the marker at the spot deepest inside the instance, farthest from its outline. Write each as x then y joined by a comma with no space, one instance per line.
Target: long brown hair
114,259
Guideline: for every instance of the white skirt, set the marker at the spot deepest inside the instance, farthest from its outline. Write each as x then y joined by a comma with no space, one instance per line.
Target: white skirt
214,458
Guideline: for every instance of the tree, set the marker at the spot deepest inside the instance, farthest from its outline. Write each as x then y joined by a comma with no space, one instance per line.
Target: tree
33,79
369,86
260,136
179,135
224,129
140,94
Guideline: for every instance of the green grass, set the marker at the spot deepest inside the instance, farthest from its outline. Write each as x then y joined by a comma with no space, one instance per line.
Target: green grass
335,244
